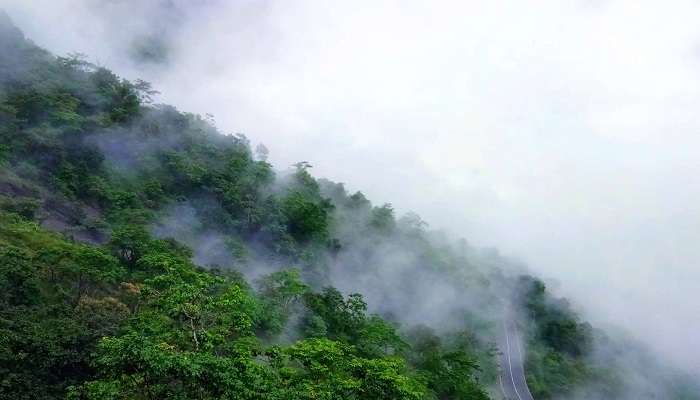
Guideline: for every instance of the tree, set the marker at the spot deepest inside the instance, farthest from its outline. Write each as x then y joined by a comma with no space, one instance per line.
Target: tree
192,338
130,243
382,219
449,372
279,292
306,219
18,281
331,370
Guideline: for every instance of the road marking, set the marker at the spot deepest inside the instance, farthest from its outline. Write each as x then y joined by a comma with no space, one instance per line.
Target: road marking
510,365
522,361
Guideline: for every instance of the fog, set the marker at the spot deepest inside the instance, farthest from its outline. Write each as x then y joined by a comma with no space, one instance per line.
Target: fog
565,134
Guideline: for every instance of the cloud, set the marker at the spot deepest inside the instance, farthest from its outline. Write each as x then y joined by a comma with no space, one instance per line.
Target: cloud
564,134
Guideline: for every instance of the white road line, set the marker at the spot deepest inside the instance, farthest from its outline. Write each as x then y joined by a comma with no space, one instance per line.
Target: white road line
510,365
522,361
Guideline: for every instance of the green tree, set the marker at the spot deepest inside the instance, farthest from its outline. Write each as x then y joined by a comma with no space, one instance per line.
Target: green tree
279,293
331,370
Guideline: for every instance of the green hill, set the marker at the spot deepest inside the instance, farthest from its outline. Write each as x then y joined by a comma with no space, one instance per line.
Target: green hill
145,255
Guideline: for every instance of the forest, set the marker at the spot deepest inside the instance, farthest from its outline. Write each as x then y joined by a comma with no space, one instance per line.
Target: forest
146,255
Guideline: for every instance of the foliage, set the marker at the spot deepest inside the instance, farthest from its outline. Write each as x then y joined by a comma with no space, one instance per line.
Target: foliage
559,342
449,368
105,307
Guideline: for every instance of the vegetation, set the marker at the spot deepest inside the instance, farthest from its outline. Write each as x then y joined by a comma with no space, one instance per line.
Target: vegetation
557,343
105,310
145,255
77,320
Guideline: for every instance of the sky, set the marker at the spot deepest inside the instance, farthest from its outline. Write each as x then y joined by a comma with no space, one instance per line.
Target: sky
563,133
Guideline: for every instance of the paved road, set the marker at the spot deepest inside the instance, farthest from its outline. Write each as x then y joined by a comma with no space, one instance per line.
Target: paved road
512,375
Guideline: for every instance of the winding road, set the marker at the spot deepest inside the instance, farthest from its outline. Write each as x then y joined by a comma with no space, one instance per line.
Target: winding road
512,372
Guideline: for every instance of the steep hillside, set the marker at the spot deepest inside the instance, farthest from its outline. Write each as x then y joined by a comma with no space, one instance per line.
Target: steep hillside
145,255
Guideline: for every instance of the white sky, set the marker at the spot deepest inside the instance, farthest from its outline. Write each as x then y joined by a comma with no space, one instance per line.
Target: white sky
565,133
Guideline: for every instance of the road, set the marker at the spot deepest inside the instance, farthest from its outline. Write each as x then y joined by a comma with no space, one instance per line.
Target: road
512,372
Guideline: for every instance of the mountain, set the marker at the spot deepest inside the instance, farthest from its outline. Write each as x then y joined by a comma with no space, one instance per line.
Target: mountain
146,255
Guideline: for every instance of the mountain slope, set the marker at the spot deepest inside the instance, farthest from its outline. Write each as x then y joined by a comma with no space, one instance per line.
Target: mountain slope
146,255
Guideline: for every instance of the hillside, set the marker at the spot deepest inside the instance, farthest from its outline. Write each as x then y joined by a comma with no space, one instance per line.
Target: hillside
146,255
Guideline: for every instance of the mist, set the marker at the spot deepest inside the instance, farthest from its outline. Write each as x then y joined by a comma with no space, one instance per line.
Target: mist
565,134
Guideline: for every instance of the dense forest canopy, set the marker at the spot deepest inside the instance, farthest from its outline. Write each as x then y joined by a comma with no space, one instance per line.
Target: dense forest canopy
145,255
